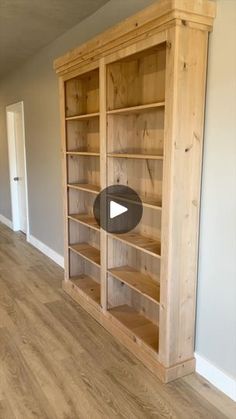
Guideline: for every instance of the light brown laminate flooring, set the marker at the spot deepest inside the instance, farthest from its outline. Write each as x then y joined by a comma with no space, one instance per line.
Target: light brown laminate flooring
57,362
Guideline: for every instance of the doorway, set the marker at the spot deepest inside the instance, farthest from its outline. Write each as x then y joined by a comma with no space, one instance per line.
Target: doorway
17,167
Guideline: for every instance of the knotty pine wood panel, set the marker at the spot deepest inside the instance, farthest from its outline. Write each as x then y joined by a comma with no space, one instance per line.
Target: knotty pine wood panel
121,254
136,80
80,202
120,294
83,135
82,94
144,176
140,133
84,169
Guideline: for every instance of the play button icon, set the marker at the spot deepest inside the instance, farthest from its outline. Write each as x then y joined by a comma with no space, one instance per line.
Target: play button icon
118,209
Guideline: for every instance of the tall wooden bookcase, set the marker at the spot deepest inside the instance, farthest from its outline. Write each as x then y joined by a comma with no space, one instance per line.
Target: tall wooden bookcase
132,113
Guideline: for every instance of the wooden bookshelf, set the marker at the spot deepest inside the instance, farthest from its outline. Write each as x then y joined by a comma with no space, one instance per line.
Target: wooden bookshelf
132,112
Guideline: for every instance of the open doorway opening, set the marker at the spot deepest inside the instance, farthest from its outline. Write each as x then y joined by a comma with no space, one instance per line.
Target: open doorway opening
17,166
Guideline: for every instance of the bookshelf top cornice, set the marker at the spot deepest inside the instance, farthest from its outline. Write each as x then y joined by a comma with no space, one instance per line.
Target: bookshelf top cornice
155,18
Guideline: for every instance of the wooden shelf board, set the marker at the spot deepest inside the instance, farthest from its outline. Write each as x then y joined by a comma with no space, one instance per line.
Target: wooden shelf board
136,109
138,281
83,116
85,219
85,187
87,251
87,286
151,202
140,242
83,153
136,156
146,201
137,325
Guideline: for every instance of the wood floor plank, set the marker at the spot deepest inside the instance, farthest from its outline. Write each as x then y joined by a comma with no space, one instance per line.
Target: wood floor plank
211,394
90,333
57,362
27,399
54,382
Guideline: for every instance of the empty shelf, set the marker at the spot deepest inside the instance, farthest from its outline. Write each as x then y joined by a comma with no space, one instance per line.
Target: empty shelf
85,219
149,202
85,187
87,251
137,280
150,246
88,286
137,325
84,116
83,153
136,109
136,156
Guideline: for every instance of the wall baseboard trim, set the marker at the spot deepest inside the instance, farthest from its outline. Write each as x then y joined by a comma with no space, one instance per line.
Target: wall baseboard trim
215,376
6,221
46,250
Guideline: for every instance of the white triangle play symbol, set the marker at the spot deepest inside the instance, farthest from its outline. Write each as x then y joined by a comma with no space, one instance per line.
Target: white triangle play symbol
116,209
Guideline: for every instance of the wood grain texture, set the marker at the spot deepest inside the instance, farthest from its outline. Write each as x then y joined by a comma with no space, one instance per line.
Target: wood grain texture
57,362
85,219
138,281
143,24
184,117
87,251
135,117
146,244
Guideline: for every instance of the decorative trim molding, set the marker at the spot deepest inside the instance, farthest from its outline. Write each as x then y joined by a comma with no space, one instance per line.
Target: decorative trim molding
6,221
155,17
215,376
46,250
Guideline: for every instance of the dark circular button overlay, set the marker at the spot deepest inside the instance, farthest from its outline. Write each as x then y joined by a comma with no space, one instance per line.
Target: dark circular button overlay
118,209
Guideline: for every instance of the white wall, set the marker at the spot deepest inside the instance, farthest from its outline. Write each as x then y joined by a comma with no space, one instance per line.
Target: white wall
216,308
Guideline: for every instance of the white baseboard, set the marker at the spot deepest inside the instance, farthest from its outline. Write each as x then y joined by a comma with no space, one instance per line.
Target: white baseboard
218,378
46,250
5,221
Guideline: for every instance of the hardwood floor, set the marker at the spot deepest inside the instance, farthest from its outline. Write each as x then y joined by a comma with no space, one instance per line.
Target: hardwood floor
57,362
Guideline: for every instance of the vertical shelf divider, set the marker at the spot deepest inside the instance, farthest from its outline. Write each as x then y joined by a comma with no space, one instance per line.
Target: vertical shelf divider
103,176
64,175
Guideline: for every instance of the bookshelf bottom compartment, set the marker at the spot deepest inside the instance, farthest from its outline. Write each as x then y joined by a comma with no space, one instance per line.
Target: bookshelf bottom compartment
137,325
135,313
87,286
84,277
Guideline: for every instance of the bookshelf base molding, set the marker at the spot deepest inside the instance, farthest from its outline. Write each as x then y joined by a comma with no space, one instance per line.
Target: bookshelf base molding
106,320
132,114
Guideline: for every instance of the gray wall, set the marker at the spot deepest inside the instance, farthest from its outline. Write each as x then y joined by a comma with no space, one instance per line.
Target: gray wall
216,309
36,84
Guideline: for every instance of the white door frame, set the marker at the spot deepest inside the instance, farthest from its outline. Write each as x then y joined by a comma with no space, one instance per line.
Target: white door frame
11,137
